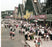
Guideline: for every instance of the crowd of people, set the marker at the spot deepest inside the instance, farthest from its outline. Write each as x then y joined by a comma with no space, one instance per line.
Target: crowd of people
12,30
29,30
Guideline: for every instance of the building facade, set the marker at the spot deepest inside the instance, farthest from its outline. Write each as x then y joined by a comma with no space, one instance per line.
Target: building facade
15,12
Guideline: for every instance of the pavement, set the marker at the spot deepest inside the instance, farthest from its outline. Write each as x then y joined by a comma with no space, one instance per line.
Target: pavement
19,40
44,43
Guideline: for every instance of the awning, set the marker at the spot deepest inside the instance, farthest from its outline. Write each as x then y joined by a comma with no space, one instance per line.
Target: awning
40,17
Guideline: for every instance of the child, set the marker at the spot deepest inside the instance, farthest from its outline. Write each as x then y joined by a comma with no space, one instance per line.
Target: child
13,34
10,34
36,42
39,42
47,36
44,36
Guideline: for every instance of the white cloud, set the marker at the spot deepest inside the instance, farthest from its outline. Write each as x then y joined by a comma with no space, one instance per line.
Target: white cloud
9,4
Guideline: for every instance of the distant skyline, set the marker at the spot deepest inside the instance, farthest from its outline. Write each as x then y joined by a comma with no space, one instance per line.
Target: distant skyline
10,4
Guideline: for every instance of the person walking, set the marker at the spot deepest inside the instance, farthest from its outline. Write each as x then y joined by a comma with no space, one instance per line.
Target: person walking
47,36
44,36
10,34
11,28
39,41
36,41
13,35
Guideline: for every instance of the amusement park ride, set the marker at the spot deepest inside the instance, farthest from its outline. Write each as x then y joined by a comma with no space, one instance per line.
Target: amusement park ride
37,8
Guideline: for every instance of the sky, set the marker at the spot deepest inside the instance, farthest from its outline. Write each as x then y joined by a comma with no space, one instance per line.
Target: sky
10,4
